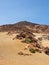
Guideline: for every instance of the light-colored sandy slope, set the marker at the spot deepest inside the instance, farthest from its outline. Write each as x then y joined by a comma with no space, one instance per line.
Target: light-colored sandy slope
9,49
45,43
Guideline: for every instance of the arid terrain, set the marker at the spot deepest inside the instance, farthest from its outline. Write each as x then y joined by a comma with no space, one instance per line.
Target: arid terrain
15,44
25,26
9,49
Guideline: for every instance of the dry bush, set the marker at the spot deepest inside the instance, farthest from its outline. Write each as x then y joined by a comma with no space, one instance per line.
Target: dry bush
46,50
20,53
32,50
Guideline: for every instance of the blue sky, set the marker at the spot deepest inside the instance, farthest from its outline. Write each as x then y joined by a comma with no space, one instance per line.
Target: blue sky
12,11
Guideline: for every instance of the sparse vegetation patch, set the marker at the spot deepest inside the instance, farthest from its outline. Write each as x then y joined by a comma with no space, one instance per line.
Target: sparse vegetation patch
32,50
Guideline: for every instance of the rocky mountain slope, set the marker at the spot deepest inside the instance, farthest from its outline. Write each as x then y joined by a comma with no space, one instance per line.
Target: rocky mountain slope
25,26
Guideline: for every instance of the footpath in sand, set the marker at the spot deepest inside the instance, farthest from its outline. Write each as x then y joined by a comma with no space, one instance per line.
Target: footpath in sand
9,49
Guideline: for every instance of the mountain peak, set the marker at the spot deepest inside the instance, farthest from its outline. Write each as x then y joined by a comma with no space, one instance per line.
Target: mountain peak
25,26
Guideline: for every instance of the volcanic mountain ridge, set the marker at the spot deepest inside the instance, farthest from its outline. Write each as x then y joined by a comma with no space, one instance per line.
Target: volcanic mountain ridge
25,26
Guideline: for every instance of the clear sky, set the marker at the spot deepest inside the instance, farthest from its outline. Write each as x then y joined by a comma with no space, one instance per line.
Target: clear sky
12,11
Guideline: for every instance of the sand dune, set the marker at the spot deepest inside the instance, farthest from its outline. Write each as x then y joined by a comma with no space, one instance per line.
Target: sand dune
9,49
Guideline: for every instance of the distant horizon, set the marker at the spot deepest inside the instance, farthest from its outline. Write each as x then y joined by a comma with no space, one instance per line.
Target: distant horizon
22,21
35,11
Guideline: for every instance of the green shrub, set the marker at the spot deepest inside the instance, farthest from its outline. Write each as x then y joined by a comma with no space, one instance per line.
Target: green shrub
20,38
28,40
32,50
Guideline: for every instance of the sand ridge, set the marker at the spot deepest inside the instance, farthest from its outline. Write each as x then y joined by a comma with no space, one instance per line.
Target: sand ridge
9,49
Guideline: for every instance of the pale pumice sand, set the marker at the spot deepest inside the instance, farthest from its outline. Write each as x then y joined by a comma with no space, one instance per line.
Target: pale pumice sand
9,49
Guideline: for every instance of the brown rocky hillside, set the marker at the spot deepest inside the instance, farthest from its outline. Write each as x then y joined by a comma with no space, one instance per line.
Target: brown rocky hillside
25,26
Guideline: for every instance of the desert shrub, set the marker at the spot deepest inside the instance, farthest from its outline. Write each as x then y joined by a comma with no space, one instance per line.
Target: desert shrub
46,50
22,35
20,38
17,36
28,40
20,53
32,50
38,45
40,39
38,50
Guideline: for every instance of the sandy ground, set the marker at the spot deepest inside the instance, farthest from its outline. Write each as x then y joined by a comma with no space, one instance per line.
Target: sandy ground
9,49
44,42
